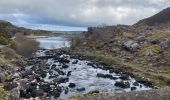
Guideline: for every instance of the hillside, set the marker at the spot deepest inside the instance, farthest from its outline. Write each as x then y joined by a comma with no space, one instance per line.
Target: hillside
144,52
162,17
9,30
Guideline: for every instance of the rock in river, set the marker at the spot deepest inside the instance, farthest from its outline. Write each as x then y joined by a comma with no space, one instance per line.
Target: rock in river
123,84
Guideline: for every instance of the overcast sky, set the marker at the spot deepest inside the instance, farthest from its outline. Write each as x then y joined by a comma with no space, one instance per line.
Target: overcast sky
77,14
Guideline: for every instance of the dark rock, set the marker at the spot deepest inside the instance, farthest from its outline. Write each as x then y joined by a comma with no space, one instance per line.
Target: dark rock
145,82
65,66
106,76
45,87
59,71
124,77
72,85
11,85
69,73
43,74
75,62
92,65
61,80
133,88
123,84
136,84
53,66
56,92
80,89
66,90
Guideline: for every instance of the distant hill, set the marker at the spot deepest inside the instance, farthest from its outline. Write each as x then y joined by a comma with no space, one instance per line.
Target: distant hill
162,17
9,30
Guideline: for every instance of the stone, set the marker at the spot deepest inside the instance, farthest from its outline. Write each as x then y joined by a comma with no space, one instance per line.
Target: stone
133,88
11,85
65,66
130,45
106,76
75,62
80,89
136,84
124,77
69,73
123,84
72,85
59,71
61,80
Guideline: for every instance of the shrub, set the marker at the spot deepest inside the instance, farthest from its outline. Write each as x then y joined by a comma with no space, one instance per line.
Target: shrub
3,93
25,46
9,53
4,40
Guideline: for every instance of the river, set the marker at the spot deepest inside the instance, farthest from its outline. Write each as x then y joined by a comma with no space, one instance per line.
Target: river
79,76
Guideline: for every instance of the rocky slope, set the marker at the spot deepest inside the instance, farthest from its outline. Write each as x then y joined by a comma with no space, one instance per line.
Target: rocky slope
141,49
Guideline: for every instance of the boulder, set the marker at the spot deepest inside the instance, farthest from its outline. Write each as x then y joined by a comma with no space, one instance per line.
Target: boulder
69,73
65,66
133,88
130,45
106,76
59,71
11,85
124,77
80,89
61,80
136,84
123,84
75,62
72,85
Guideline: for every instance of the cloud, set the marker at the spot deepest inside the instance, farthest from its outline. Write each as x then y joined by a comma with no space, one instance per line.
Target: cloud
79,13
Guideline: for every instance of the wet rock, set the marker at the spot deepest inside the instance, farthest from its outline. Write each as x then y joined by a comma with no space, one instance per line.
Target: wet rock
45,87
130,45
59,71
145,82
136,84
124,77
11,85
65,66
75,62
43,74
106,76
34,83
53,66
80,89
123,84
72,85
61,80
69,73
56,92
92,65
66,90
133,88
